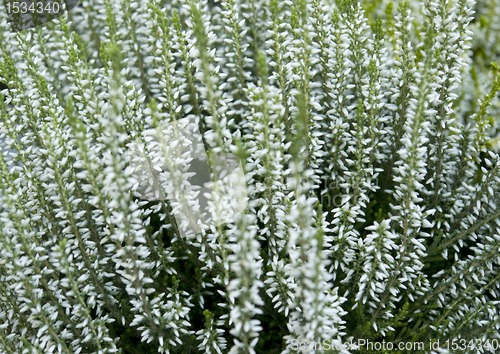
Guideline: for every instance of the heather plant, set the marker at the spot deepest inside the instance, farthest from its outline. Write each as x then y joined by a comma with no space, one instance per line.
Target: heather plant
366,134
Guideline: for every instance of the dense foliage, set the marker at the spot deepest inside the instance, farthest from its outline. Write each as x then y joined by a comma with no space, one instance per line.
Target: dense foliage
370,165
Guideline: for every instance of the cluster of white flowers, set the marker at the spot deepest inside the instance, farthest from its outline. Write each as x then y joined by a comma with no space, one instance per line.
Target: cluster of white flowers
370,210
